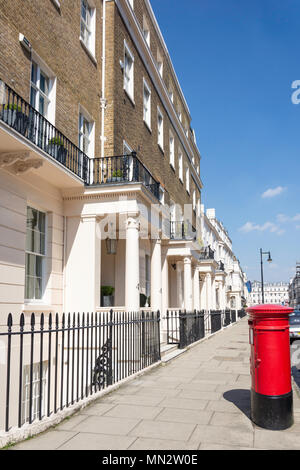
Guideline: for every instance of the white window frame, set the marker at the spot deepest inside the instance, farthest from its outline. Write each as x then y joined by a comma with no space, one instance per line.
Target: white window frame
128,77
50,98
180,166
187,179
90,138
131,3
160,64
172,150
146,31
35,255
160,128
147,105
89,27
35,390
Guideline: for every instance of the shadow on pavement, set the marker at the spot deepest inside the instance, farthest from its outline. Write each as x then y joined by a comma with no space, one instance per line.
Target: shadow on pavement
241,398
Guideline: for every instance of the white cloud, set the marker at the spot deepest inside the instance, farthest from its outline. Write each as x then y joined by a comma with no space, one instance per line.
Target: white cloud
273,192
251,227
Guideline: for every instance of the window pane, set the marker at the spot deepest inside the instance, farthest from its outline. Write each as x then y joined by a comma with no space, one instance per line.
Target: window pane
34,73
38,288
29,287
30,264
33,96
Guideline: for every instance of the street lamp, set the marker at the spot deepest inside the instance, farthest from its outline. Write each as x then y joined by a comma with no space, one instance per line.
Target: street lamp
262,272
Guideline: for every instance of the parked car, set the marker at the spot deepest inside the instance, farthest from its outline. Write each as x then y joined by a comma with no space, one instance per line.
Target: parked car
294,321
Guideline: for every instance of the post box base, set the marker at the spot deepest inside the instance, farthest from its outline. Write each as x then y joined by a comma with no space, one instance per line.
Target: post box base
272,412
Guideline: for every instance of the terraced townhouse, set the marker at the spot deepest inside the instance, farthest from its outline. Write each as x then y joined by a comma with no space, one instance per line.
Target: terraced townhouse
100,189
96,138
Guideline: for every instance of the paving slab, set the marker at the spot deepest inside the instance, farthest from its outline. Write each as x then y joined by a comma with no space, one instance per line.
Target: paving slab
163,430
199,400
49,440
90,441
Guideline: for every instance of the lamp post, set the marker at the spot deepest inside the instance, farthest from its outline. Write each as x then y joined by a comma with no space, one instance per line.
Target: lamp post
262,271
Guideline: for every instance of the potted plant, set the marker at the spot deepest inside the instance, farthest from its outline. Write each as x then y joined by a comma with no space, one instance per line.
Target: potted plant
107,296
57,149
143,300
117,175
9,113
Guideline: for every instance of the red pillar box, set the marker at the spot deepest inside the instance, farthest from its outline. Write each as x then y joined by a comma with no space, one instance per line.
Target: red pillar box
270,364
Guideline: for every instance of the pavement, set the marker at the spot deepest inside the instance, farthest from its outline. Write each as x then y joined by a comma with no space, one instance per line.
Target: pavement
198,401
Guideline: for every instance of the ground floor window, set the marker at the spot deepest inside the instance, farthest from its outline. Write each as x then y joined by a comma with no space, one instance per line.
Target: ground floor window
38,385
35,254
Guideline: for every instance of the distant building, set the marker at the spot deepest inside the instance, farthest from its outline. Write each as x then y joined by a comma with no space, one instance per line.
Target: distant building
274,293
294,289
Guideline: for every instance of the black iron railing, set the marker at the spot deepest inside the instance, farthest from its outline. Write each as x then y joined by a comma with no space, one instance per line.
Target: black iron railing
181,231
207,254
233,316
191,327
227,318
172,318
241,313
184,328
27,121
121,169
62,360
23,118
215,320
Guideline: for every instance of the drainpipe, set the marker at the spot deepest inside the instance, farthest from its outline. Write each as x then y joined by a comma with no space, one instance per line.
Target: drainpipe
103,100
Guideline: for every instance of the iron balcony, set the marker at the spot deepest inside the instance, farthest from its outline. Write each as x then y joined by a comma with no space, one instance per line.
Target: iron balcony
19,115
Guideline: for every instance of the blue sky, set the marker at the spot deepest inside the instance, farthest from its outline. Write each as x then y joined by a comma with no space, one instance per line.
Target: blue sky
236,61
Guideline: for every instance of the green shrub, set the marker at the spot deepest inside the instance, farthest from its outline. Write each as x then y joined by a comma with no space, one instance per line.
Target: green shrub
107,291
56,141
14,107
117,174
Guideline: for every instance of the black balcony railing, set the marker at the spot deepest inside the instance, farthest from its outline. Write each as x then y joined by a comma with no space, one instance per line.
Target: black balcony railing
181,231
23,118
221,266
207,254
121,169
56,361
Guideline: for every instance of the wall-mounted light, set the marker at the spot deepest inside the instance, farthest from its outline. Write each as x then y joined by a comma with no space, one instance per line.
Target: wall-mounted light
111,246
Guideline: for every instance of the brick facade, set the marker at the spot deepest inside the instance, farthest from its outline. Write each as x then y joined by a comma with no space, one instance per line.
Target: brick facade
54,35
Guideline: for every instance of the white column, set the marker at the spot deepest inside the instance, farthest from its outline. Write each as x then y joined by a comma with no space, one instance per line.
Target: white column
156,276
165,281
213,294
208,291
188,289
165,294
196,293
179,269
82,265
132,267
203,294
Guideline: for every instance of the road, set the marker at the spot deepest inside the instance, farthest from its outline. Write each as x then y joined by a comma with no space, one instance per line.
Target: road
295,360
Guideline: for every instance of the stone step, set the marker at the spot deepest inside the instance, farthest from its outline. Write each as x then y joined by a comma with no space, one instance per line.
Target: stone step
166,348
171,355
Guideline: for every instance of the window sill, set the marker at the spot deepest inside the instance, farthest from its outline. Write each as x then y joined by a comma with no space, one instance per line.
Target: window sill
38,306
181,181
89,53
56,3
148,127
129,97
172,168
161,149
